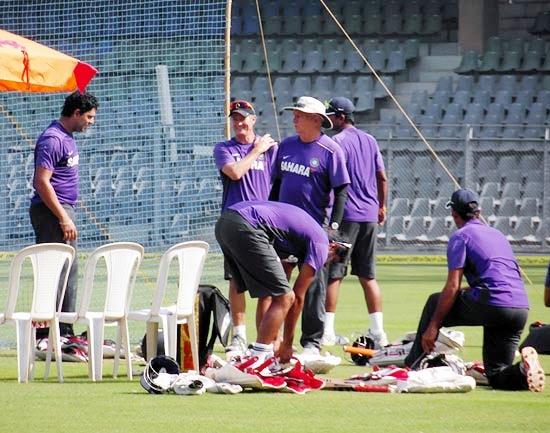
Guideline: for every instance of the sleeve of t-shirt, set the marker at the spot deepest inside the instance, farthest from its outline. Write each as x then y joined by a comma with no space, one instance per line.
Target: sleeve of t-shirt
456,253
273,152
48,152
275,172
338,171
378,161
222,155
316,255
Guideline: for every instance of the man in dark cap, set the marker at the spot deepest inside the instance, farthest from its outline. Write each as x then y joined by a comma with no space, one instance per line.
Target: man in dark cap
495,299
364,210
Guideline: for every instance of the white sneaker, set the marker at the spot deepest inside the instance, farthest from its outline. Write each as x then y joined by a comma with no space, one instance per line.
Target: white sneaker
237,347
334,340
380,339
311,350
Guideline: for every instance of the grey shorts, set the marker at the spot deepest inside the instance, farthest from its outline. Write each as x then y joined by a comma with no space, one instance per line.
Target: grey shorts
362,236
251,259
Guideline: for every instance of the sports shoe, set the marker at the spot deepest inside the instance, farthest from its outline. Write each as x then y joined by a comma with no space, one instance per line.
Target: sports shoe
305,375
334,340
238,344
476,369
532,369
311,350
380,339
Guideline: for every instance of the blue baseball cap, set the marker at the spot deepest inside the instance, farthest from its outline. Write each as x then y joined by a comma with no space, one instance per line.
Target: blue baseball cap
464,201
340,105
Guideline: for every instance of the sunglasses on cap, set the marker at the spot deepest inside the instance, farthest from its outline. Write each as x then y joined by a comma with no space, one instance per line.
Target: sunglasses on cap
240,105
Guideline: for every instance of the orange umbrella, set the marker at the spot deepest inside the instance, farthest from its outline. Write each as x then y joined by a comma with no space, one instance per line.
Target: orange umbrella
27,66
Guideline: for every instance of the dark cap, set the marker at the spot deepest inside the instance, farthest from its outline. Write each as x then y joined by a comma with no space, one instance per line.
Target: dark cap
340,105
464,201
242,107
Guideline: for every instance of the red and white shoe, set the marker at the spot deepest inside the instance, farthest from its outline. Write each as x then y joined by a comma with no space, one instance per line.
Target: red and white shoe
251,366
532,369
300,380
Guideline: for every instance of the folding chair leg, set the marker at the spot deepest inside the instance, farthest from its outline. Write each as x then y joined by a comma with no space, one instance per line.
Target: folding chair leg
96,328
48,355
23,328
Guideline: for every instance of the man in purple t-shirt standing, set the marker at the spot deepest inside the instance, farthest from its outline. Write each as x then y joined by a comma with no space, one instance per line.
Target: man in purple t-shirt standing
252,235
245,163
495,299
365,209
55,181
311,173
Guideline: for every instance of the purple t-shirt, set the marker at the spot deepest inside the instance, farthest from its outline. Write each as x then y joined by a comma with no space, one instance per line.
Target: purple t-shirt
309,172
255,184
290,228
489,265
363,161
56,151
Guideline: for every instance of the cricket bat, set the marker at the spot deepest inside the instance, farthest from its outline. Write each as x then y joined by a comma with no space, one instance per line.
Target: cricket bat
369,353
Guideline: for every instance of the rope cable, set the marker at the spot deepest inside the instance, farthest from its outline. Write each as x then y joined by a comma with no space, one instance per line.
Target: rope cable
268,70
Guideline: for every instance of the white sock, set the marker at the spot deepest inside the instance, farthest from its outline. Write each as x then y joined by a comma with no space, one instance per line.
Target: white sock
262,351
329,323
377,322
240,330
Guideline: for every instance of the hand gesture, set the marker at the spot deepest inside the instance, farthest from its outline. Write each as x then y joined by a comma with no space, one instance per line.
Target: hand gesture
264,143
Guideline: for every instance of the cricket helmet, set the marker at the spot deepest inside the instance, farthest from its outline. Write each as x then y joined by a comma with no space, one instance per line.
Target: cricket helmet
157,366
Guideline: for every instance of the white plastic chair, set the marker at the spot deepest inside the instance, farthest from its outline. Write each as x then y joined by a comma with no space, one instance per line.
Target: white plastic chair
122,260
48,262
191,257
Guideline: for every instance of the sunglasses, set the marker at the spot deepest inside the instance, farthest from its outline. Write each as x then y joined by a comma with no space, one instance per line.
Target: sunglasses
240,105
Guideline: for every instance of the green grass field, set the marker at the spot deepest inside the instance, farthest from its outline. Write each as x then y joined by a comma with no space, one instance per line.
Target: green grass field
122,406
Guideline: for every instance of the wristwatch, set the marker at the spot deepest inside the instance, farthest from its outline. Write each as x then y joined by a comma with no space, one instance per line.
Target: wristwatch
334,225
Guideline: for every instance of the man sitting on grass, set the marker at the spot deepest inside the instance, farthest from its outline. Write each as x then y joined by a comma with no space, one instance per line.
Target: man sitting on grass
495,299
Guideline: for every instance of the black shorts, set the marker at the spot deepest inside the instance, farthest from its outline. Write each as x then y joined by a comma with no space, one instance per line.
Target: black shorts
251,259
362,236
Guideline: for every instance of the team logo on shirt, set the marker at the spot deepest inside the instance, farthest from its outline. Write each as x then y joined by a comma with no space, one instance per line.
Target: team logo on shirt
293,167
258,164
73,161
314,162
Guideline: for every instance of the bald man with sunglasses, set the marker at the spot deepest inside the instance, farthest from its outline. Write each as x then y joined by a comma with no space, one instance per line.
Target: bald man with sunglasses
245,162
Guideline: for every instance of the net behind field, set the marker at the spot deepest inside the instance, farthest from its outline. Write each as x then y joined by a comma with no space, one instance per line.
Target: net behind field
142,178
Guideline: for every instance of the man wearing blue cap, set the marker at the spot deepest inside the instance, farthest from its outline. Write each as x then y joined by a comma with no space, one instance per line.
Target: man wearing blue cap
495,299
364,210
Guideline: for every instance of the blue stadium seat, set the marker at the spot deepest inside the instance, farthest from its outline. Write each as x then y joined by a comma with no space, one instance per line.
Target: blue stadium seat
490,62
511,61
511,189
502,224
508,207
441,97
313,62
313,25
392,24
465,82
372,24
331,28
515,114
487,82
469,63
399,207
395,227
353,25
495,114
543,97
379,91
487,206
438,231
411,48
292,62
529,82
292,26
482,97
503,97
420,97
533,189
529,207
537,114
462,98
302,86
354,63
334,62
396,62
412,24
532,61
364,101
343,85
490,189
322,84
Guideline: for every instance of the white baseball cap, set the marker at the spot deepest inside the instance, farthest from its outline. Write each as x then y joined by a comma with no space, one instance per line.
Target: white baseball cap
307,104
